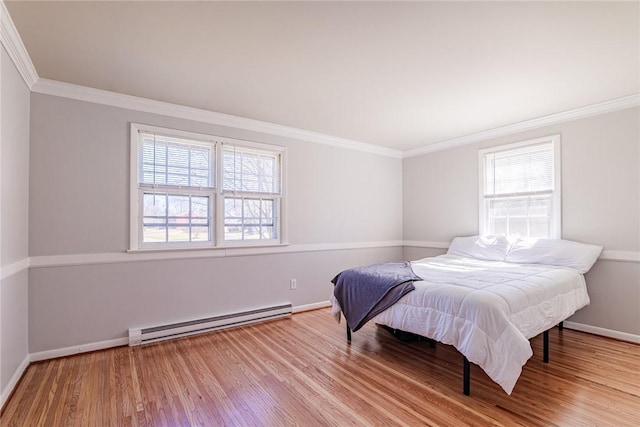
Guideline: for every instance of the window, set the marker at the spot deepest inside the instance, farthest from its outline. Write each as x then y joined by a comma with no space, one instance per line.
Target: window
520,189
176,201
251,190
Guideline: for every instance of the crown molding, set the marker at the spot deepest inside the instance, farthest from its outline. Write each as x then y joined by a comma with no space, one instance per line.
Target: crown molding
98,96
15,48
612,105
12,42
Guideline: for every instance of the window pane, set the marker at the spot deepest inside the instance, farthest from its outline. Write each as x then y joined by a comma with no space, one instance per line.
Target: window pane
498,226
248,170
155,205
251,211
498,208
176,218
154,234
233,233
249,218
518,208
267,209
200,234
540,207
520,170
178,233
199,207
539,227
251,233
232,208
165,161
268,232
518,227
178,206
519,186
154,218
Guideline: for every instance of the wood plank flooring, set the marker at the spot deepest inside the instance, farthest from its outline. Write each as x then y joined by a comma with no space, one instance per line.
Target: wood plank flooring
301,371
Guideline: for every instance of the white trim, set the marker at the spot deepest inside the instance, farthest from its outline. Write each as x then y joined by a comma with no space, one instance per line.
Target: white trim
120,257
616,256
425,244
98,96
15,48
140,256
76,349
15,268
623,336
309,307
14,380
621,256
609,106
134,194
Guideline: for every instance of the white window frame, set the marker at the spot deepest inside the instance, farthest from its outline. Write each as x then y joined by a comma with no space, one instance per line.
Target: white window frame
222,193
216,193
556,192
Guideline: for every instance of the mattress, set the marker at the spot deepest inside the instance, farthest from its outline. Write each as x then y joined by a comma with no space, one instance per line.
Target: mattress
487,310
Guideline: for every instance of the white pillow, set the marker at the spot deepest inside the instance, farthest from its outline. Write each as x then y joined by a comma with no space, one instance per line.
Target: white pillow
564,253
490,248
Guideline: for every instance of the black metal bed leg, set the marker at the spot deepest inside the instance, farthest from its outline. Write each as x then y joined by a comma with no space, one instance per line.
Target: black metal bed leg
545,346
560,326
348,333
466,380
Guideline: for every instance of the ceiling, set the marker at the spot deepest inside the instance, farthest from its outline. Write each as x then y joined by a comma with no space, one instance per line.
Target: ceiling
395,74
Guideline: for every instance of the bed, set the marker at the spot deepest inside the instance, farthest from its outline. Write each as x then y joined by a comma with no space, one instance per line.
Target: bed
487,297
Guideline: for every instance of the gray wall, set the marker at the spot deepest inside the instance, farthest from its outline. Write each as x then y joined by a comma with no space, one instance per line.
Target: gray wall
14,202
79,205
600,204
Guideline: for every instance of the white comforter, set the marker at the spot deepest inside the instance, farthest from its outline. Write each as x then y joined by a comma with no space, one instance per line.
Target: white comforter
488,310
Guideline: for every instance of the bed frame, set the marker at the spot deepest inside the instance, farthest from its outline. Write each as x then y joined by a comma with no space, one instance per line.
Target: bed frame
466,366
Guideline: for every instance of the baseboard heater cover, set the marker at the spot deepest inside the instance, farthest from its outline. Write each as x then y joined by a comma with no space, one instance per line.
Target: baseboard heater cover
138,336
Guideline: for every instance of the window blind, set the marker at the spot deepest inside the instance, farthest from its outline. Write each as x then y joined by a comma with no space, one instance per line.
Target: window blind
252,171
169,161
520,189
522,171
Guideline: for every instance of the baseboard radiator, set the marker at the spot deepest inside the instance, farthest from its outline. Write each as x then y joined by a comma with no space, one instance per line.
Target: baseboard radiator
182,329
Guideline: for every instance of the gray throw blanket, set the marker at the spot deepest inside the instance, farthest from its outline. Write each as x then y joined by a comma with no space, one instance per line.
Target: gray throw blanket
363,292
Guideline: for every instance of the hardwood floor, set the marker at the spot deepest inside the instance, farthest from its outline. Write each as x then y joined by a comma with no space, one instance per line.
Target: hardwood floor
301,371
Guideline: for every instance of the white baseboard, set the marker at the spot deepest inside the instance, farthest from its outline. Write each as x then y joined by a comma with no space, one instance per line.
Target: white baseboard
623,336
83,348
314,306
14,381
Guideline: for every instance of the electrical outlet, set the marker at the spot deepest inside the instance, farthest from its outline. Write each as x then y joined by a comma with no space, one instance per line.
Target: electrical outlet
293,284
